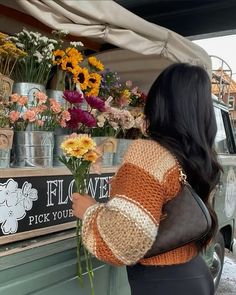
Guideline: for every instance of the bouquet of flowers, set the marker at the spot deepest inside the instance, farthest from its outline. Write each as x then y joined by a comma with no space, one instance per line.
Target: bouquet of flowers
79,153
44,113
36,65
81,121
73,69
9,54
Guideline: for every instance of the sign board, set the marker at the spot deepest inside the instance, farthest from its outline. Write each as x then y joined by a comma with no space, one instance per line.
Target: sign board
42,204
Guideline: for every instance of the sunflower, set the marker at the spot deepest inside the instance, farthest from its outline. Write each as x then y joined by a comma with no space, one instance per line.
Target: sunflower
81,76
94,80
58,55
93,91
68,64
94,62
73,52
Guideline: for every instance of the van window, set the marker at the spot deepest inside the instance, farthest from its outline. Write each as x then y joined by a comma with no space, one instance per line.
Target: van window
221,146
224,141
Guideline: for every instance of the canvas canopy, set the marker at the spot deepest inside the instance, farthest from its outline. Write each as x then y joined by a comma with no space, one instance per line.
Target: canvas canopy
107,22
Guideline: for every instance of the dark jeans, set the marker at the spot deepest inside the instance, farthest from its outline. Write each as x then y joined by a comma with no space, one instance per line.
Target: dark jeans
191,278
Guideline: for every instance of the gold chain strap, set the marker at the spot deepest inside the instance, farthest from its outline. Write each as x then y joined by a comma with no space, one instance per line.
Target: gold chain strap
182,175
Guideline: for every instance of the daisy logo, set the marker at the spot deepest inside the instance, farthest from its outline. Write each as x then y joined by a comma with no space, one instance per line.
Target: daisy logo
14,202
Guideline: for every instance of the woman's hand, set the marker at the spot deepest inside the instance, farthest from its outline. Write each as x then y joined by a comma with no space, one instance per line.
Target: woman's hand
80,204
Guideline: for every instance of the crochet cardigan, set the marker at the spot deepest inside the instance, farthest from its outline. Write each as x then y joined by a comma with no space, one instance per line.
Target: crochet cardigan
121,231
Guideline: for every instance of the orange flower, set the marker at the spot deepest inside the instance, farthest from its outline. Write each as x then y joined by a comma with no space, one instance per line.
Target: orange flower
91,156
14,116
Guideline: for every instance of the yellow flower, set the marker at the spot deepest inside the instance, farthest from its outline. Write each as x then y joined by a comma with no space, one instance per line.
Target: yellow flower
58,55
67,64
69,144
73,52
93,91
81,76
78,152
91,156
93,61
3,36
86,142
94,80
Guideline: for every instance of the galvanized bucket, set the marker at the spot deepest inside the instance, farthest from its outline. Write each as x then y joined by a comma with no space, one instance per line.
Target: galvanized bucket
57,151
122,146
108,148
4,158
33,149
23,88
57,95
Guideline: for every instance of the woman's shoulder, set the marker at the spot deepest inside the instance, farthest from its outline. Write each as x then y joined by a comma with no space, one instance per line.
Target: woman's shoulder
147,152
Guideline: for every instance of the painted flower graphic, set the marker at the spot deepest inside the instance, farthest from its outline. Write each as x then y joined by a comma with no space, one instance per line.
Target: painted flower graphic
9,217
8,192
28,195
14,202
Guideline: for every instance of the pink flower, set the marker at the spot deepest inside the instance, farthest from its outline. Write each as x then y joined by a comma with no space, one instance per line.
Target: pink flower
41,108
23,100
65,115
89,119
73,97
95,103
41,97
29,115
55,106
14,97
129,83
62,123
40,123
14,116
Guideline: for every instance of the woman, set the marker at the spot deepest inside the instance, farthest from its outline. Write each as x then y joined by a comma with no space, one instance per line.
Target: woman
181,127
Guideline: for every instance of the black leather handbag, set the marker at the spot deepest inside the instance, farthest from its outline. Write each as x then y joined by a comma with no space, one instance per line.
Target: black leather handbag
185,219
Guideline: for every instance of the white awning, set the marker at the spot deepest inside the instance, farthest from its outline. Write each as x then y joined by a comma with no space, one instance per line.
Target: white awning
107,22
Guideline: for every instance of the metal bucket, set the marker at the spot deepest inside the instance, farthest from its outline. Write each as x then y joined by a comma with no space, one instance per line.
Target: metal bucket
28,89
57,95
57,151
33,149
108,147
4,158
122,146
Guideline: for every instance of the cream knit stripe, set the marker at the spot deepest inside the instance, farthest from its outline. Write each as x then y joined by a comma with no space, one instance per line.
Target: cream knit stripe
126,241
87,234
136,155
134,212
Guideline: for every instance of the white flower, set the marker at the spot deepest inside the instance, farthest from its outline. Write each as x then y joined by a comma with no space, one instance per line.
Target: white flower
77,44
20,45
101,120
9,217
39,56
9,193
28,195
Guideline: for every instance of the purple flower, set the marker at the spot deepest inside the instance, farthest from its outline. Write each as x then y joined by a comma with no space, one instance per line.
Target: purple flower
76,117
96,103
73,96
88,119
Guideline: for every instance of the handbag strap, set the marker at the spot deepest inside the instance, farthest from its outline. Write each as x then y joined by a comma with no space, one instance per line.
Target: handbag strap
182,175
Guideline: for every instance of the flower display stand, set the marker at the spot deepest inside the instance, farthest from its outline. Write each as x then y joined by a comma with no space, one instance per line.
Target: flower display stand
38,245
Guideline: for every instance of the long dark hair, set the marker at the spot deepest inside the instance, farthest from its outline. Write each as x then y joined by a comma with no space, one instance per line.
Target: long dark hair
180,116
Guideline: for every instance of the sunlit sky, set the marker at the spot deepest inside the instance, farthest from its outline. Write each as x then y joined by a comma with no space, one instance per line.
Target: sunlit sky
223,47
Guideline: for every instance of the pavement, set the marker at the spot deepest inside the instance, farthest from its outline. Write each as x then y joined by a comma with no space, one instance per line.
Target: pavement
227,284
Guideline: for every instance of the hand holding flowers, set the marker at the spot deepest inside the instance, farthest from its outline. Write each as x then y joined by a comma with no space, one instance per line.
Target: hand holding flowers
79,153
